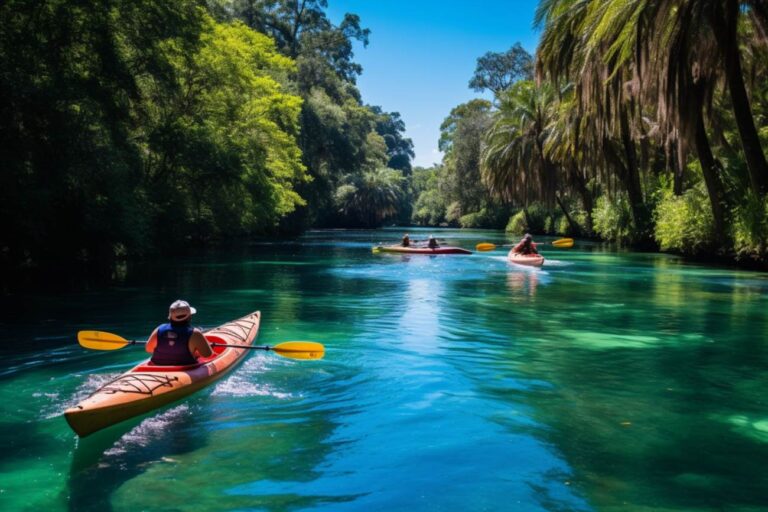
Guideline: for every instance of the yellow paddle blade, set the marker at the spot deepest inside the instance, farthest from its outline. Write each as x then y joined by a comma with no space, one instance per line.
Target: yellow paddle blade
485,246
376,249
563,243
99,340
300,349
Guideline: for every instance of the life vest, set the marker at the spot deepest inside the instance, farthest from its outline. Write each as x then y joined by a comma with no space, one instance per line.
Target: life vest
523,248
173,346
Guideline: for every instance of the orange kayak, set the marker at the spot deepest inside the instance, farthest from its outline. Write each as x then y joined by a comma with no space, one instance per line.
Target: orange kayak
146,386
532,260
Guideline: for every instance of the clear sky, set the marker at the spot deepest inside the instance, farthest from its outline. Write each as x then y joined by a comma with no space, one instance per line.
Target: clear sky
422,54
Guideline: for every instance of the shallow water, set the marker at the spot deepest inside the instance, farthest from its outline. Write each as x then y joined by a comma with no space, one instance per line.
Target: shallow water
605,381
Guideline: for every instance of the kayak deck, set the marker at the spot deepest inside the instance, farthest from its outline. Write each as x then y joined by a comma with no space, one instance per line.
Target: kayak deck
422,250
531,260
146,386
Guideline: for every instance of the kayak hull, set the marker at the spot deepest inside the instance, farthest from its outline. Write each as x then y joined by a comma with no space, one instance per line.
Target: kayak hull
146,387
530,260
423,250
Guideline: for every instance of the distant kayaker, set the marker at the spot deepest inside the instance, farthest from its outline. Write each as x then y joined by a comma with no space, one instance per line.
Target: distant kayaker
432,242
406,241
177,343
525,246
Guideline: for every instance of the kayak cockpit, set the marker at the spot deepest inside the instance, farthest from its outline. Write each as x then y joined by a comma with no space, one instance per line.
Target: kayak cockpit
217,351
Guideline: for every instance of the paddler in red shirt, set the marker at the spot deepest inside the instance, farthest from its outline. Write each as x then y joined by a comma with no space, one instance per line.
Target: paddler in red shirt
525,246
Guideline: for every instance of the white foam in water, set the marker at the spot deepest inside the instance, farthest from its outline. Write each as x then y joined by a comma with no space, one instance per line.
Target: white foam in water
557,263
148,430
91,384
245,381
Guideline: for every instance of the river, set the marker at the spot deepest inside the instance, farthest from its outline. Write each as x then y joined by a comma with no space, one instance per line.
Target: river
604,381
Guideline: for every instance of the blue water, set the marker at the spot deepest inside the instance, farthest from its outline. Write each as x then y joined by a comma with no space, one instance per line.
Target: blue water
604,381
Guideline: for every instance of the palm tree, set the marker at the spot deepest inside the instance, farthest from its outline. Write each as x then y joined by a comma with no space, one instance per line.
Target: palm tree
515,164
371,197
573,49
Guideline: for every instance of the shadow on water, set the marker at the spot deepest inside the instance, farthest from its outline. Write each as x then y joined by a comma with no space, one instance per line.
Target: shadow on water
105,460
651,394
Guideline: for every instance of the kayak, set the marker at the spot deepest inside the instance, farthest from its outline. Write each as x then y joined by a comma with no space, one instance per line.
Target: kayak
532,260
147,386
421,250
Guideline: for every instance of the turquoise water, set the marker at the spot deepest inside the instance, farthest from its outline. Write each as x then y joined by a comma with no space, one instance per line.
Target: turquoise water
605,381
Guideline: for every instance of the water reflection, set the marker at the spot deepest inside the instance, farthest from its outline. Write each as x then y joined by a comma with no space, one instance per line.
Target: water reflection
602,382
522,282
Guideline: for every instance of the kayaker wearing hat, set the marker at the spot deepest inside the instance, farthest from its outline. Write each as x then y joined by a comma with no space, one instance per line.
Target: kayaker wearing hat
432,242
177,343
525,246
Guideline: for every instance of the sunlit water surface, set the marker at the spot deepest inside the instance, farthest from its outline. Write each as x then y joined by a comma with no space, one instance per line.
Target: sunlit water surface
605,381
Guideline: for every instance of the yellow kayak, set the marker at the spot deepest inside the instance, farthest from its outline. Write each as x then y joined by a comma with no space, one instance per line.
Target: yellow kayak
146,386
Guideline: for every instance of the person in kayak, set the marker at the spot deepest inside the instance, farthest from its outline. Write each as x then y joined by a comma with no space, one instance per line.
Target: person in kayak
177,343
432,243
406,241
525,246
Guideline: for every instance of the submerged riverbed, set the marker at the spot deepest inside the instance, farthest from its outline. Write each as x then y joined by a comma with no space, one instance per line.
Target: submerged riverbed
604,381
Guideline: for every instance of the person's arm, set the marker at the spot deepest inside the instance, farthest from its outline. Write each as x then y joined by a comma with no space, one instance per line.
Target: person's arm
151,342
198,345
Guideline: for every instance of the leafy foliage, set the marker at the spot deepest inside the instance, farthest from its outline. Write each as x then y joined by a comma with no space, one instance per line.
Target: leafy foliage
497,71
684,223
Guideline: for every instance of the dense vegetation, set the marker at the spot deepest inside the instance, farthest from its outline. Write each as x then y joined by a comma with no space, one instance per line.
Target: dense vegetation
645,123
129,128
132,127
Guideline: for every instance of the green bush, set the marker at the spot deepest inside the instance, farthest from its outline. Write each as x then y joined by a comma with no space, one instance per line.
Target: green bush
612,219
538,220
517,224
429,209
453,213
750,226
482,219
549,224
684,223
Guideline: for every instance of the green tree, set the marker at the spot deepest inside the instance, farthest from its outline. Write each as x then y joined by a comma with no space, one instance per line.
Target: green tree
224,148
371,198
497,71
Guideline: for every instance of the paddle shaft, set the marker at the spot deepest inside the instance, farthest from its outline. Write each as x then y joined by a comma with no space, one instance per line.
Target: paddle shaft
247,347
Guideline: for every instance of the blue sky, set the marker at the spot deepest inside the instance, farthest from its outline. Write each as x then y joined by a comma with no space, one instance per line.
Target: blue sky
422,54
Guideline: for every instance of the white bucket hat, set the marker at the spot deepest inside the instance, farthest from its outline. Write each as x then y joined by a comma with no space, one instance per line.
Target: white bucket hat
180,311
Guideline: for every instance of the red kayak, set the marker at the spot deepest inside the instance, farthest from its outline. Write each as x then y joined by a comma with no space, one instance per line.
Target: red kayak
531,260
421,250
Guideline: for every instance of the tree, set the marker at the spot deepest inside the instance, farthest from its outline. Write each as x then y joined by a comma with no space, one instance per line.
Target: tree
399,148
461,135
497,71
372,197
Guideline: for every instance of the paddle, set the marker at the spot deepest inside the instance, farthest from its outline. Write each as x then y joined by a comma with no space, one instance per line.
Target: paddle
100,340
563,243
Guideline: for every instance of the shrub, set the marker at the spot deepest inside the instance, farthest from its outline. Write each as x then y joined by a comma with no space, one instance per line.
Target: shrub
612,219
517,224
453,212
684,223
750,226
429,209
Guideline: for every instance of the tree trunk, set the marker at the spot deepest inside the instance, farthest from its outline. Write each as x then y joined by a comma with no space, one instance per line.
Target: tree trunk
729,45
711,180
632,178
575,228
677,159
580,185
